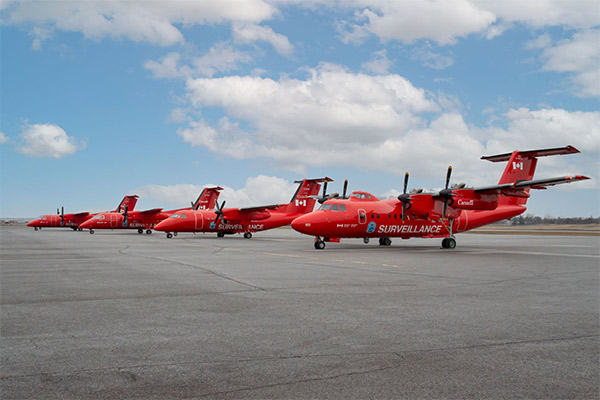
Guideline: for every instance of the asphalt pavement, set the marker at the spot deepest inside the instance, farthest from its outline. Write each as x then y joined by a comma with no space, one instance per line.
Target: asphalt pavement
122,315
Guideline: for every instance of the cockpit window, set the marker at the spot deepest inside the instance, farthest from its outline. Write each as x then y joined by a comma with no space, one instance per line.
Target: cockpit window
360,196
178,216
342,207
100,216
44,218
334,207
325,207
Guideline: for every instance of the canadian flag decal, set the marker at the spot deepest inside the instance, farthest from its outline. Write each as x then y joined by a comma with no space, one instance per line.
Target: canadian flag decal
300,202
518,165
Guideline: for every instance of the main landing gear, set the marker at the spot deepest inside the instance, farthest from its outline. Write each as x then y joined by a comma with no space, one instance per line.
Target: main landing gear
385,241
448,243
319,244
170,235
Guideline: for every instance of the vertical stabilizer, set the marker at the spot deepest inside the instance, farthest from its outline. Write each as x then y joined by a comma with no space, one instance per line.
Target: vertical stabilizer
207,199
303,200
129,201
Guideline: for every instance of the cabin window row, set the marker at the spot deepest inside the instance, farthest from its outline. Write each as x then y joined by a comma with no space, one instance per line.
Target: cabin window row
333,207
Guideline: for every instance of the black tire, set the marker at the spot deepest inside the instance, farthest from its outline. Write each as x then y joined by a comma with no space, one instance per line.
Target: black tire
247,235
319,245
140,231
450,243
148,231
169,235
220,234
366,240
91,231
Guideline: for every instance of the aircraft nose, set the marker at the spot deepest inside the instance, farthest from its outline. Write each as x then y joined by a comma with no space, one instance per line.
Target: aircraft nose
163,226
32,223
87,225
302,224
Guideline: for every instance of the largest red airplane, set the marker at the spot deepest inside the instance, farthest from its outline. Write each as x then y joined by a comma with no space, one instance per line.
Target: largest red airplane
74,220
224,221
432,215
147,219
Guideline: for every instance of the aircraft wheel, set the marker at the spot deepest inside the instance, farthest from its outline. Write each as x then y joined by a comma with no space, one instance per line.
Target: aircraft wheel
220,234
449,243
140,231
247,235
148,231
319,245
35,229
91,231
169,236
74,228
385,241
174,233
79,229
366,240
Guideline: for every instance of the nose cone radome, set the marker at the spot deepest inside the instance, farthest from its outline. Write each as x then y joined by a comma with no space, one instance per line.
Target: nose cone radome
35,222
303,224
87,224
165,225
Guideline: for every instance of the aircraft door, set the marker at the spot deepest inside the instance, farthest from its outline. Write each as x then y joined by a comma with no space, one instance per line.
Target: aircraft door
54,220
362,216
199,220
113,220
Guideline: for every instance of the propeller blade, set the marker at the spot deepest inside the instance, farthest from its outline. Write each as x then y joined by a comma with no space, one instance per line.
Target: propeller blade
405,199
219,212
192,203
405,182
448,174
325,189
345,189
62,215
125,216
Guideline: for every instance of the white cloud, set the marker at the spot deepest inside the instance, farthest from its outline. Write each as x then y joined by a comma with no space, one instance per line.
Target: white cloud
47,140
248,33
140,21
4,138
408,21
431,59
259,190
379,63
220,58
579,56
39,35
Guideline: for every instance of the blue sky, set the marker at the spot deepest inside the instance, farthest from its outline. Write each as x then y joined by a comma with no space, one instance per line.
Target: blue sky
107,98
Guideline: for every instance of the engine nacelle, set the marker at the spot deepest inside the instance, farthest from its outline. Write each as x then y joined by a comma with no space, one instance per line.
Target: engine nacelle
469,200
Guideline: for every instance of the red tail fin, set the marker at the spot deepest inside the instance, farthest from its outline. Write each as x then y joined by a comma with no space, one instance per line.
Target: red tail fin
207,199
521,167
129,201
302,202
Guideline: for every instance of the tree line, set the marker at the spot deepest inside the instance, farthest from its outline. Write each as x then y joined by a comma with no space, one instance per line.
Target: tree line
529,219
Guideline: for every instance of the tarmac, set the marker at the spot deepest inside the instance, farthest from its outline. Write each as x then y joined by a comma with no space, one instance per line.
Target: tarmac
122,315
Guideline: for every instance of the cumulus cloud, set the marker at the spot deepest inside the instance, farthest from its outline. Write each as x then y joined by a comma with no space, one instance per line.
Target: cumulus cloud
579,56
4,138
431,59
47,140
379,64
407,21
258,190
140,21
249,33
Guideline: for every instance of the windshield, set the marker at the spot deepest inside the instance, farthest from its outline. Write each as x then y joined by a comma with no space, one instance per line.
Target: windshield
178,216
98,216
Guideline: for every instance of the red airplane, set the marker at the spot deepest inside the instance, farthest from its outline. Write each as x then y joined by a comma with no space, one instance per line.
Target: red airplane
226,221
147,219
431,215
74,221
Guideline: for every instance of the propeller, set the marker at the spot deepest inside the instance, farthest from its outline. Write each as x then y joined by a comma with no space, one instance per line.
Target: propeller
219,212
446,193
62,215
345,189
404,197
125,216
324,197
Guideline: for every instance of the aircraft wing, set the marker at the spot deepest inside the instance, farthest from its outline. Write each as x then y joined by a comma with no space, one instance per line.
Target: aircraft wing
534,184
151,211
82,214
248,213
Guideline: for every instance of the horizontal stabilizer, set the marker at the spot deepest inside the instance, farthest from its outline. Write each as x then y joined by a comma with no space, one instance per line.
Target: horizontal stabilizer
534,184
533,153
152,211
